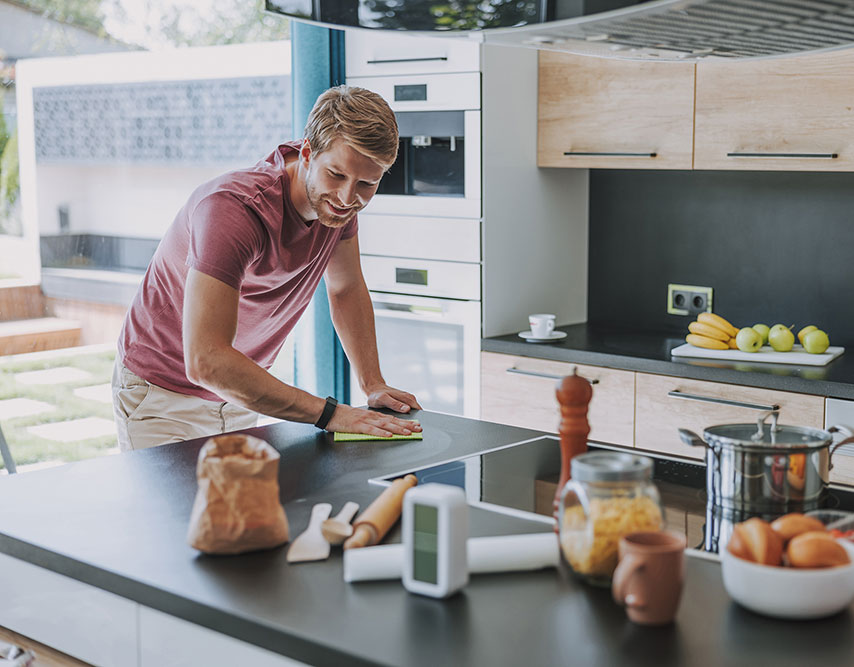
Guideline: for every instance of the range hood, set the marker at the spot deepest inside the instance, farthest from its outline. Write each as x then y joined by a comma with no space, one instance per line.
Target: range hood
658,29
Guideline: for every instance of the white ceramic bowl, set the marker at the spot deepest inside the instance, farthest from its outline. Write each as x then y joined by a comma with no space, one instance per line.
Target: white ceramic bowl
787,592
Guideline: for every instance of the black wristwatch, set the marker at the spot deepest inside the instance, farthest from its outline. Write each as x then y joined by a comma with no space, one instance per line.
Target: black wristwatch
328,411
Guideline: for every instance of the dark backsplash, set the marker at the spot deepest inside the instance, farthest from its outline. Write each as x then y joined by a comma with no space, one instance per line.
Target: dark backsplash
775,246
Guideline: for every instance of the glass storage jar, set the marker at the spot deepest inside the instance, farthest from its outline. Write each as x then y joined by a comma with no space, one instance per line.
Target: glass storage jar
609,495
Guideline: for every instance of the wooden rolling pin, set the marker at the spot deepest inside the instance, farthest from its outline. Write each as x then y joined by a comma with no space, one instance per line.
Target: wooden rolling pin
372,524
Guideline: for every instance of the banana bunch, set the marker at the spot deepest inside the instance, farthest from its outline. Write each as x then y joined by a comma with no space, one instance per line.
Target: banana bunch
712,332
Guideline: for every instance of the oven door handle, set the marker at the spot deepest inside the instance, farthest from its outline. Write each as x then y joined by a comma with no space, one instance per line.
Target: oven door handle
413,309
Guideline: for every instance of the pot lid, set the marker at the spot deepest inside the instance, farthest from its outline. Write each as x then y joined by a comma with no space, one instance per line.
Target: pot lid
766,435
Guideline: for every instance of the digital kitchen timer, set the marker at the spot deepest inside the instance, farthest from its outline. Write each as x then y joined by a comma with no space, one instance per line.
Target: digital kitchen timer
435,532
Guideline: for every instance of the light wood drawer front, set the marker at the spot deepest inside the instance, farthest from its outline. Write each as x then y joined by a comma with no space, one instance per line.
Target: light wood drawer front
793,106
514,391
614,107
659,416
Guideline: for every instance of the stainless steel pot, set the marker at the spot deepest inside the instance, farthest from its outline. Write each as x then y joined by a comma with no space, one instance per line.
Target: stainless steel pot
762,469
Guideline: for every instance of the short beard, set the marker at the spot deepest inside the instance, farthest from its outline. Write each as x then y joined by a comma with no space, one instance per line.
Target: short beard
317,203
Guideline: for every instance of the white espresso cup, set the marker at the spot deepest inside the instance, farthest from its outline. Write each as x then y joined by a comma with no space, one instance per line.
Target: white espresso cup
542,325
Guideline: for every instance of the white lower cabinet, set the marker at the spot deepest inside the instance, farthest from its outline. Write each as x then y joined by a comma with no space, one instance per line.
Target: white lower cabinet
78,619
167,641
105,629
839,412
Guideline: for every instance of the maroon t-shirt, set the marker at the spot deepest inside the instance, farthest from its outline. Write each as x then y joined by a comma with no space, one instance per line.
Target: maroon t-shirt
240,228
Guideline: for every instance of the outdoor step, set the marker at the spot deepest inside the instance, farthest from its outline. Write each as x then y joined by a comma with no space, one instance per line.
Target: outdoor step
42,333
21,302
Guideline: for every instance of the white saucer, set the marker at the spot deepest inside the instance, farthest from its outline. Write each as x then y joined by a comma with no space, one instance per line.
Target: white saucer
554,336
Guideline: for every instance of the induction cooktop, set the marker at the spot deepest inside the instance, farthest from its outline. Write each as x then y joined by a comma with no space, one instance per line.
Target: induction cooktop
520,480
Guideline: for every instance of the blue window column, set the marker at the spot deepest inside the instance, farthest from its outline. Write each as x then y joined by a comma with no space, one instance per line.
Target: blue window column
320,365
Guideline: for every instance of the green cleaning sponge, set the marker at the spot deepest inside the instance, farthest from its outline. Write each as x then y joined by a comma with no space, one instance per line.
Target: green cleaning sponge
352,437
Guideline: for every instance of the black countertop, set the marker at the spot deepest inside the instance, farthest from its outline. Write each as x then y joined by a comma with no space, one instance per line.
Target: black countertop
650,353
120,522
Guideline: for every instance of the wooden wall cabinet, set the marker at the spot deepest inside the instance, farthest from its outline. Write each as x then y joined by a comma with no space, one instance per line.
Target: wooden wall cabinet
774,114
792,113
603,113
520,391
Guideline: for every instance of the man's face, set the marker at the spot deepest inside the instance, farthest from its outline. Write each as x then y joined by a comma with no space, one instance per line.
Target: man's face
340,182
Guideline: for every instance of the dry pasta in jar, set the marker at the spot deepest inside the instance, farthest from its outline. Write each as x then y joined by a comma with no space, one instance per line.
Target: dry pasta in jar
610,495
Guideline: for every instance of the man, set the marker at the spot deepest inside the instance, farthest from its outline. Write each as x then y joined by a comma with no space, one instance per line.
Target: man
235,271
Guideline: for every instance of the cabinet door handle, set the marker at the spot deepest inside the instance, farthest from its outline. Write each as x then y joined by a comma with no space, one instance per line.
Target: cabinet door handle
406,60
550,376
817,156
723,401
607,154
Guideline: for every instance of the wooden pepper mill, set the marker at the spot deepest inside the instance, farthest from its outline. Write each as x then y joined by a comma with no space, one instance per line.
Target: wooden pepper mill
573,394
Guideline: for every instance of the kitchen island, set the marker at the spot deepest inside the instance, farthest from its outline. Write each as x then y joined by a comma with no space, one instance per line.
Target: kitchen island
116,526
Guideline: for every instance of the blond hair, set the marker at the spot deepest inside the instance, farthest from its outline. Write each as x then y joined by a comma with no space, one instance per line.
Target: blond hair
359,117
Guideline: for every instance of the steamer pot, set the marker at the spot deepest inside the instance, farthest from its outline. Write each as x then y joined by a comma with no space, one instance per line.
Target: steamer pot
766,469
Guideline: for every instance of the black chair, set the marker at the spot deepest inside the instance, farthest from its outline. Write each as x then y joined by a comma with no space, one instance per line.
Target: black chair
6,455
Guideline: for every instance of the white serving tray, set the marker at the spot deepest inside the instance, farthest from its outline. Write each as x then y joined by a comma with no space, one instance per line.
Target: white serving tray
767,355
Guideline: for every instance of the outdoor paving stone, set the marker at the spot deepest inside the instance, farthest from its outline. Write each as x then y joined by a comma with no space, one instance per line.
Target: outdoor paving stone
75,429
102,393
23,407
57,375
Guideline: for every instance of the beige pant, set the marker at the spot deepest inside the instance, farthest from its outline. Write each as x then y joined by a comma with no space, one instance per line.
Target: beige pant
148,415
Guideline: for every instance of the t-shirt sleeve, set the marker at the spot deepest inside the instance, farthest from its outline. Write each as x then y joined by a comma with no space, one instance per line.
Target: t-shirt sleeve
225,237
350,229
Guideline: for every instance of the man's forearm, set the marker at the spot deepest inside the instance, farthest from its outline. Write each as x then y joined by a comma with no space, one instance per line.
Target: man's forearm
237,379
353,318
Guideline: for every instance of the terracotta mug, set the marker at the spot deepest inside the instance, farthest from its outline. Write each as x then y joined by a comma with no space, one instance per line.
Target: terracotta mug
648,579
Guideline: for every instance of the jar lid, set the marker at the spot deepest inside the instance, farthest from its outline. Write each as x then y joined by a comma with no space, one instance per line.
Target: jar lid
748,436
610,467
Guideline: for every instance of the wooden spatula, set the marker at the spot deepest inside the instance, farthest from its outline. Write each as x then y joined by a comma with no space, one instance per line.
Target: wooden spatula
311,545
338,528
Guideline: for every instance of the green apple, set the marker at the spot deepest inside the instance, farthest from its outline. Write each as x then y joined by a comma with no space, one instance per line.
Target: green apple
781,338
803,332
748,339
816,342
763,330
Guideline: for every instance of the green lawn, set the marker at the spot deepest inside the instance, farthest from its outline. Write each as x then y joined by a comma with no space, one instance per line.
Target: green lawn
28,448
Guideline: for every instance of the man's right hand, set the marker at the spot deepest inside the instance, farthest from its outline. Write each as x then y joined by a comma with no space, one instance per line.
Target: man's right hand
348,419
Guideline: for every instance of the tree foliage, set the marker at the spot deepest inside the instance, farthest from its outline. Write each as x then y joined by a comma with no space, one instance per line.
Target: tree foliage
172,22
452,14
232,22
84,13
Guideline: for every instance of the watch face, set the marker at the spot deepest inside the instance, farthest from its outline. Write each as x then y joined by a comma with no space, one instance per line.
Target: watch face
425,562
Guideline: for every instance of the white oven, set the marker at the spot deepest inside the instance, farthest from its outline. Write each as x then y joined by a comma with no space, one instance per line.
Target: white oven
437,172
428,347
420,236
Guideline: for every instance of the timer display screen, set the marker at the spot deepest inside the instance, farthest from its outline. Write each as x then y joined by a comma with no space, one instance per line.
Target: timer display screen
425,539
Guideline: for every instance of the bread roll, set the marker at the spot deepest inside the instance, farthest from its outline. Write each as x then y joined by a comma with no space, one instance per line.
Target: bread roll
790,525
756,541
816,549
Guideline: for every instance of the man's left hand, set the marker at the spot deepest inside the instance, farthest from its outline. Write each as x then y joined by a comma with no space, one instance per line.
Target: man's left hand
383,396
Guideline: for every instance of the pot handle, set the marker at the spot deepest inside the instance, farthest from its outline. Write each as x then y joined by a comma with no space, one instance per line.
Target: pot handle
849,438
760,425
690,438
